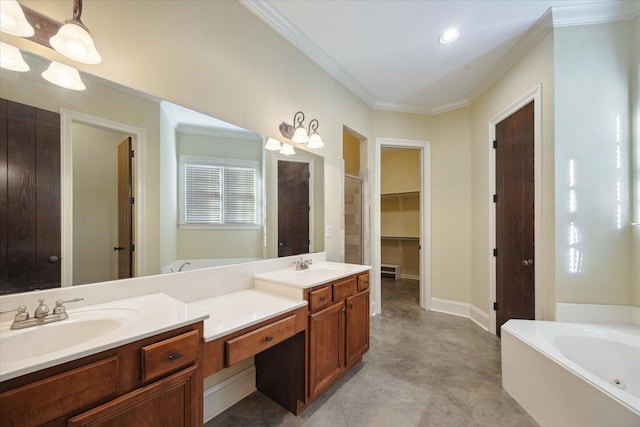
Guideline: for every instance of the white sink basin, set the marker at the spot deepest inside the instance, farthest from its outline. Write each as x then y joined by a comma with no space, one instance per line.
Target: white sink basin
316,274
79,328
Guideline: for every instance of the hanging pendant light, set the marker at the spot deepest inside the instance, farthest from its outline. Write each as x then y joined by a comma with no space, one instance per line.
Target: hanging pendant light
273,145
13,21
11,58
73,39
63,76
287,150
314,137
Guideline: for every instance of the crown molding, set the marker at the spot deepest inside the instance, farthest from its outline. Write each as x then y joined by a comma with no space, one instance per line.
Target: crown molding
271,17
561,16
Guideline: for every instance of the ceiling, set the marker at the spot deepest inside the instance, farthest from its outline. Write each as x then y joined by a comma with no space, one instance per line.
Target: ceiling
387,52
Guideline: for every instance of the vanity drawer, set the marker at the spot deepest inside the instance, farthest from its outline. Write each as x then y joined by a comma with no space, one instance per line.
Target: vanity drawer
254,342
363,282
319,298
45,400
166,356
344,288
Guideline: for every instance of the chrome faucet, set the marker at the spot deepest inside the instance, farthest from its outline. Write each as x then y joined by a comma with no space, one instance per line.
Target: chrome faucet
183,264
41,314
303,264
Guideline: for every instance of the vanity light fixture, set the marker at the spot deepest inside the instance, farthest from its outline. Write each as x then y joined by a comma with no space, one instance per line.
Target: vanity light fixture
287,150
297,133
73,39
449,36
63,76
11,58
273,144
13,21
314,137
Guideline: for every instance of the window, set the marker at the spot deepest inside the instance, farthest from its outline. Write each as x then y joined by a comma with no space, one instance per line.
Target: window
219,192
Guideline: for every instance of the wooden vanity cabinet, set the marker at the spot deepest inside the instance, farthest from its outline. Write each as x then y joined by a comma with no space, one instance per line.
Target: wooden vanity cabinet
339,332
150,382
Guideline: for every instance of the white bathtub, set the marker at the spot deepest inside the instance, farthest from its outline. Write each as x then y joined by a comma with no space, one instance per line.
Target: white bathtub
573,374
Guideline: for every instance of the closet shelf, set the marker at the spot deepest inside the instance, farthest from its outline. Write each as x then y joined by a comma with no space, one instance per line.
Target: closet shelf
400,238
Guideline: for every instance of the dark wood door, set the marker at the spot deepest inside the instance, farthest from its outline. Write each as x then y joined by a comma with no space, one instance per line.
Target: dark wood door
29,198
293,208
125,210
515,279
326,347
357,327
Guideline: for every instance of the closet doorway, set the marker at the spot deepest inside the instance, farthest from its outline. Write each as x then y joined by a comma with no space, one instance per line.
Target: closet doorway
402,216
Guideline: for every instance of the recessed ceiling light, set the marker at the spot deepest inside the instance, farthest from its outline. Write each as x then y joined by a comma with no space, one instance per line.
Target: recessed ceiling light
449,36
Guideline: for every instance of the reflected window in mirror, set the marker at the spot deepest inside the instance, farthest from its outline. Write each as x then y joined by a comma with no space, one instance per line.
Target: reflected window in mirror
219,192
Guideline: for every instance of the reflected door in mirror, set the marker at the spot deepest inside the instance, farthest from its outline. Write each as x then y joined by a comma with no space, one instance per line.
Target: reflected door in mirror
125,210
29,198
293,208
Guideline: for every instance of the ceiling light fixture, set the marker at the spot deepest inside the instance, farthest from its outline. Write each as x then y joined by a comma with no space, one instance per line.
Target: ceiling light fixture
11,58
63,76
13,21
73,39
297,133
449,36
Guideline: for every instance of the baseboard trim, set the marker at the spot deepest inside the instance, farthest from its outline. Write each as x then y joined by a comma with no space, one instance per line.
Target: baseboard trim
461,309
409,276
227,393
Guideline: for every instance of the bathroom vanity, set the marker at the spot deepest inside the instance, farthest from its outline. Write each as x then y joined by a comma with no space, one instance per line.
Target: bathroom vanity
145,358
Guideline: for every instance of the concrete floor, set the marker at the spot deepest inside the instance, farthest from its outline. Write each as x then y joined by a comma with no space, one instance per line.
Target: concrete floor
423,369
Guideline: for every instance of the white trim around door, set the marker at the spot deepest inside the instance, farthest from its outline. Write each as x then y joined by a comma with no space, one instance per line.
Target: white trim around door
425,219
535,95
67,117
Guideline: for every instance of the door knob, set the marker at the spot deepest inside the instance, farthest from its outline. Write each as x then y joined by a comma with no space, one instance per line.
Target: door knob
54,259
527,263
118,248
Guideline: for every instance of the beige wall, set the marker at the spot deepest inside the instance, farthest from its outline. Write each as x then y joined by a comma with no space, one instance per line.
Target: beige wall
351,154
534,68
95,204
400,171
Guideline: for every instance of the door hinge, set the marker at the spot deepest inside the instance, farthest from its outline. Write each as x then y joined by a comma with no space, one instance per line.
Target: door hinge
495,143
132,200
133,248
495,306
131,154
495,252
495,198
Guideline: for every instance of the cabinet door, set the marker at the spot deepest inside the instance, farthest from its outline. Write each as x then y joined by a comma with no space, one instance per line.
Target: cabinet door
172,401
326,347
357,327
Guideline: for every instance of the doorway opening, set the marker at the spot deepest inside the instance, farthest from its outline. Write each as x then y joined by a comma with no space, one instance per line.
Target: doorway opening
101,161
511,266
356,184
402,211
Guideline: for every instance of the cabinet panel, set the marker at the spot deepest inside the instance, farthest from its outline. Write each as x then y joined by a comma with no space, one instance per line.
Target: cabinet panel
167,402
363,282
47,399
169,355
357,327
326,347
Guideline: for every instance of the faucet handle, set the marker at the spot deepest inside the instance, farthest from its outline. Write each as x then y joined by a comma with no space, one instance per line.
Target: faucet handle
59,308
42,310
21,314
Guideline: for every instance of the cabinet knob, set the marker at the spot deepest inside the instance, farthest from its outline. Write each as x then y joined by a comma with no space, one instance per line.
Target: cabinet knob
174,356
351,305
323,299
267,339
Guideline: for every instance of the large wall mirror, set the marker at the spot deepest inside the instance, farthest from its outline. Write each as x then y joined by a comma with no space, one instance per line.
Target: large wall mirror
120,147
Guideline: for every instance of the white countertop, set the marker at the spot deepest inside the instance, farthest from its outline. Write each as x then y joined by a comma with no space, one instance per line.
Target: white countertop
138,318
232,312
316,274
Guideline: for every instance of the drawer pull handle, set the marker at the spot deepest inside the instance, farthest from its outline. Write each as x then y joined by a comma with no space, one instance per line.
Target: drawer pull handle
267,339
174,356
323,299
